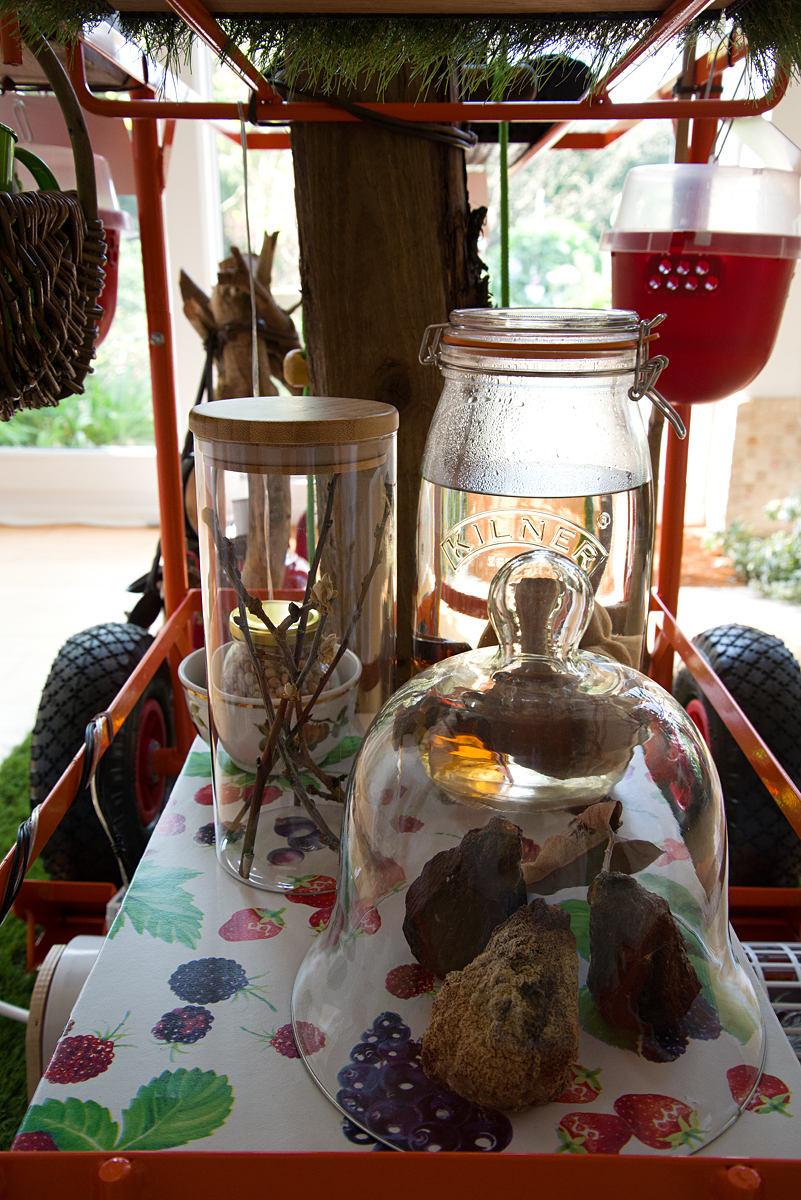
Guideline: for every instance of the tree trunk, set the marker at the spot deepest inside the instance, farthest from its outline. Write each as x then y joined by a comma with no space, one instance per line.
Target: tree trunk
387,247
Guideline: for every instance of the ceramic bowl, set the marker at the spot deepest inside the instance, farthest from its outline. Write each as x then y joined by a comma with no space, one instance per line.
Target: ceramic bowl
192,674
240,721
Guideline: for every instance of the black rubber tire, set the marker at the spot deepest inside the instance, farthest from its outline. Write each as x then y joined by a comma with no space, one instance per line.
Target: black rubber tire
86,675
765,680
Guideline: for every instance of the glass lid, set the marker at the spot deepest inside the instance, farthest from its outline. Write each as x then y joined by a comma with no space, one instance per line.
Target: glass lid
530,946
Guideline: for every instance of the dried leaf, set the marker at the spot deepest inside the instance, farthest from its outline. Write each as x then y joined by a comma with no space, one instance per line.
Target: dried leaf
588,830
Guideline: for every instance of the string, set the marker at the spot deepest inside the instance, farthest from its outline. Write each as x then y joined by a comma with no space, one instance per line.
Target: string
254,350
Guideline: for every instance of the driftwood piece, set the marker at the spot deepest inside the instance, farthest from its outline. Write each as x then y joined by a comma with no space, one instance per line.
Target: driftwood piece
226,314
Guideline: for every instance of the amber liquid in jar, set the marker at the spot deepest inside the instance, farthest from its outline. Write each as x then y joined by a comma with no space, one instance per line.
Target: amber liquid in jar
465,537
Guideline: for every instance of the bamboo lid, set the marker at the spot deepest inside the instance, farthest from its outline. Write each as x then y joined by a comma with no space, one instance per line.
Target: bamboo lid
293,420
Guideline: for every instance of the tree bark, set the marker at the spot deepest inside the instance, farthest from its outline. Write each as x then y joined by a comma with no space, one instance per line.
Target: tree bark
387,247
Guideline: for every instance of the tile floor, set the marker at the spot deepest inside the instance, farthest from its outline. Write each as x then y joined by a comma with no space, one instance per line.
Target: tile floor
57,580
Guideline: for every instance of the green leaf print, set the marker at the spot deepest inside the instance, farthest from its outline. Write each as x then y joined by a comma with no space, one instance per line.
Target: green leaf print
593,1022
198,765
681,900
176,1108
346,749
173,1109
157,904
579,913
73,1124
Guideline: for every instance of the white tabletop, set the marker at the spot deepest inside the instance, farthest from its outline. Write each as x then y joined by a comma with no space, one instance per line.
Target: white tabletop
240,1085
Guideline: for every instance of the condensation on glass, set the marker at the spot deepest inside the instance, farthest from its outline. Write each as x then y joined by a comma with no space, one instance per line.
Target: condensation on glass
535,442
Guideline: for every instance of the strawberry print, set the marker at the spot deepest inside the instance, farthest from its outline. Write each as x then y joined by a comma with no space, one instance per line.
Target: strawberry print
319,920
772,1094
584,1087
592,1133
661,1121
408,981
205,795
251,924
368,923
673,852
530,850
389,795
308,885
406,824
314,899
84,1056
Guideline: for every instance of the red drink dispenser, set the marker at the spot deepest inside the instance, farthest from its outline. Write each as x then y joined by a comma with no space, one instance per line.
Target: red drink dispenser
715,249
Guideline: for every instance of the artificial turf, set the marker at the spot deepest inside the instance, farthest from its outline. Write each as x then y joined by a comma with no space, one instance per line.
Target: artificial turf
15,984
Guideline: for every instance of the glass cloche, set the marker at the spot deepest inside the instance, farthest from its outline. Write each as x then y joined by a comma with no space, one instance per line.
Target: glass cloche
530,944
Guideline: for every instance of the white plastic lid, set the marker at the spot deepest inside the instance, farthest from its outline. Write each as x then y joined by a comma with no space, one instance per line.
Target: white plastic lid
738,210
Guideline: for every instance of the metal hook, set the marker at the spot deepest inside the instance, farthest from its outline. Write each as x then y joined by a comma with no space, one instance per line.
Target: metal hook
646,373
427,354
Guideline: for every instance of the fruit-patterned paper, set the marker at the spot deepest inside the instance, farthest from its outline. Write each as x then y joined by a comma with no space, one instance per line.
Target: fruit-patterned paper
182,1037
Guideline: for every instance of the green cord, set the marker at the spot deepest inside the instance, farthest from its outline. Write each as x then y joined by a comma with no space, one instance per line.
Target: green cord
503,140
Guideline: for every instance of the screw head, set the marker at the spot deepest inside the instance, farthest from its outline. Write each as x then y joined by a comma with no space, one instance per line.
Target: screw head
157,339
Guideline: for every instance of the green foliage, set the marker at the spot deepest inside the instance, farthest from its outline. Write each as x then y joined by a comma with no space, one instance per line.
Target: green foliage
116,407
559,205
15,985
271,200
771,563
334,52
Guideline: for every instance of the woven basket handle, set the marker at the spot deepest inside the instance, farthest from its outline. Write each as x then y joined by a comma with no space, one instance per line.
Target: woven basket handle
57,77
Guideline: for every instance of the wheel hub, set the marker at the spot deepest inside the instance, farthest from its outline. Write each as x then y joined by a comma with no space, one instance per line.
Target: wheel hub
152,736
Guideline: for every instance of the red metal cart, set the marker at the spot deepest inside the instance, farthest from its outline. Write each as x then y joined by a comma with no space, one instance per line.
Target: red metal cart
756,913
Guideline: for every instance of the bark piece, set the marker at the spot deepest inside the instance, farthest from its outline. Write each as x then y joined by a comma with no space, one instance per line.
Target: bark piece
640,977
387,247
504,1031
462,895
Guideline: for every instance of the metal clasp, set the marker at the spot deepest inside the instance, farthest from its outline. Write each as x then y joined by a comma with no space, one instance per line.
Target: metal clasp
429,347
646,373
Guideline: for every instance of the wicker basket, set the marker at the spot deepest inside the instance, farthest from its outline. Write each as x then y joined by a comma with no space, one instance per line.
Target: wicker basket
52,252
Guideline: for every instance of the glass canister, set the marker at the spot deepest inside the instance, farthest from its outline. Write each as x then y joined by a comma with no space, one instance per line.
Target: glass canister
531,915
535,442
296,513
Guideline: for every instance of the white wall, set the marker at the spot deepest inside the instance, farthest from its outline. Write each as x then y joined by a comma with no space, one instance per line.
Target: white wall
108,485
782,374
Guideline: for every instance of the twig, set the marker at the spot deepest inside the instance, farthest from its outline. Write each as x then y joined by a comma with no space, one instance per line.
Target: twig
328,521
327,836
368,579
262,771
312,659
227,557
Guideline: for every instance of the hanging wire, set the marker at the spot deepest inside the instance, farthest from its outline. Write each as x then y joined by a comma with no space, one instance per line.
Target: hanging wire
718,149
254,351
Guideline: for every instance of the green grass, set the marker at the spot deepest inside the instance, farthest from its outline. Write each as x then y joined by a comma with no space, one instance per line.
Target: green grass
15,985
